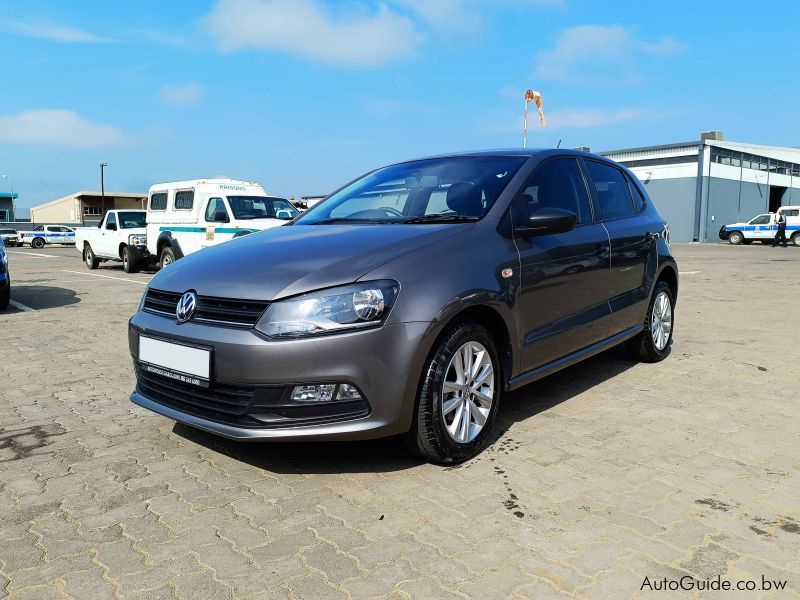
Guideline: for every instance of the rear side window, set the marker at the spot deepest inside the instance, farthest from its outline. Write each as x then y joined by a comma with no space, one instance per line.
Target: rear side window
558,184
158,201
611,189
638,199
794,212
184,200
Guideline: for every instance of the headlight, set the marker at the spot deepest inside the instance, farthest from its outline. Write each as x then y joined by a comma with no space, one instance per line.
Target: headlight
349,307
137,240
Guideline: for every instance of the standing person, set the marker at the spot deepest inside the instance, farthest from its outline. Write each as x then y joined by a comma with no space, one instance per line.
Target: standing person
780,237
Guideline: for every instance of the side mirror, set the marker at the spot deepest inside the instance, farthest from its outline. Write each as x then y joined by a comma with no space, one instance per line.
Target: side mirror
112,226
546,221
221,217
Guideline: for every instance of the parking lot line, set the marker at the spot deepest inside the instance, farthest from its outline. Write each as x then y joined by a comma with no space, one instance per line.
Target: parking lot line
688,272
36,254
20,306
107,277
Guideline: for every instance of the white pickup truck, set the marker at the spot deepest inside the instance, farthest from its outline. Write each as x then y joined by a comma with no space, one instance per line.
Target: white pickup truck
120,236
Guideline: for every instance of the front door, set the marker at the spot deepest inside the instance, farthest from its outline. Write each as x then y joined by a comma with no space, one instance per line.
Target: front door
633,237
563,300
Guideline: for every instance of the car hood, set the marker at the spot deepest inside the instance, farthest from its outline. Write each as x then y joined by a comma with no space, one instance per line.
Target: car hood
285,261
735,225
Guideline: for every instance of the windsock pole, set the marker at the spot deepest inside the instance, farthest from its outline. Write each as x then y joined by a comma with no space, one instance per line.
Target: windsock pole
525,125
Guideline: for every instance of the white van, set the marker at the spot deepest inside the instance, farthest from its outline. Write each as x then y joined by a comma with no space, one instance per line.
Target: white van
186,216
763,228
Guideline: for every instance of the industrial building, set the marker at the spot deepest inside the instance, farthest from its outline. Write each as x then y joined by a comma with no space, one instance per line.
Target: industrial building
85,207
702,185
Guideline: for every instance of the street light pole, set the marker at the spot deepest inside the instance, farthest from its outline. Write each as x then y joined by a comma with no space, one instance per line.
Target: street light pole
102,189
8,179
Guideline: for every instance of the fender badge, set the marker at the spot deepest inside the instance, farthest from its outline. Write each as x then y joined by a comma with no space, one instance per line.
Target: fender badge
506,273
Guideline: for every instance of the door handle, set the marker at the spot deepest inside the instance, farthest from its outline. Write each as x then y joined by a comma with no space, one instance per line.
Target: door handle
602,250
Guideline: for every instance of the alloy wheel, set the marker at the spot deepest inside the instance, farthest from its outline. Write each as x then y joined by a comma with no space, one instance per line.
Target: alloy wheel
661,321
468,392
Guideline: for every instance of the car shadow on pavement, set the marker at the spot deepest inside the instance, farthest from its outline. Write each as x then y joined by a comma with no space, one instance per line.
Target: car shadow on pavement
389,455
41,297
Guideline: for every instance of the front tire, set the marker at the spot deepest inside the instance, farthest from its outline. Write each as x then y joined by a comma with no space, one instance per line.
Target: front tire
458,396
166,258
89,258
652,345
736,238
37,243
130,260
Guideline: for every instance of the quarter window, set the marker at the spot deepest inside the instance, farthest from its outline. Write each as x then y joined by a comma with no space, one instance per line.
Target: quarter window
557,184
184,200
638,199
158,201
611,189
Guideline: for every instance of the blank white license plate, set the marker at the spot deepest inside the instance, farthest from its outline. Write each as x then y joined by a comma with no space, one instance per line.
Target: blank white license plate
175,361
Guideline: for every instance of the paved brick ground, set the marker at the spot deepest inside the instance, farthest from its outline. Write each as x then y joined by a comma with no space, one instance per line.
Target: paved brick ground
600,476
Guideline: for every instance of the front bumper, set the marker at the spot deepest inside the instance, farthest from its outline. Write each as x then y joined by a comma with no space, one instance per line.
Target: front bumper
383,363
723,233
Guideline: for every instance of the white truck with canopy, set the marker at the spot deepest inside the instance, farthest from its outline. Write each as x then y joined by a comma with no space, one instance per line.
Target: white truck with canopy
187,216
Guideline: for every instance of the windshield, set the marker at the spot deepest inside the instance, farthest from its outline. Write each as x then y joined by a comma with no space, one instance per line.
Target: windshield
4,231
461,188
260,207
132,220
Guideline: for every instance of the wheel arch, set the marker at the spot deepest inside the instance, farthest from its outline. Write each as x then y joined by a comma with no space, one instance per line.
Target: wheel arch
669,274
165,239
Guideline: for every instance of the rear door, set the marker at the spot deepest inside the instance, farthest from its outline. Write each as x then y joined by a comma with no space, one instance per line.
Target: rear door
563,301
632,236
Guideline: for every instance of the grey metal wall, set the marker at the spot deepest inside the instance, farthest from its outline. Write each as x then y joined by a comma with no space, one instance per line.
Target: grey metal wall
674,199
732,201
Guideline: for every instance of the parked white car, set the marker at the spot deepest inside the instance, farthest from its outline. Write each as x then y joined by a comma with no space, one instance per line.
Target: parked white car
187,216
47,234
120,236
763,228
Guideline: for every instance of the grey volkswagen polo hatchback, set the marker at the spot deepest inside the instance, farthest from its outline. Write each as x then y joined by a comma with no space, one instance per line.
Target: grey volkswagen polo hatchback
408,301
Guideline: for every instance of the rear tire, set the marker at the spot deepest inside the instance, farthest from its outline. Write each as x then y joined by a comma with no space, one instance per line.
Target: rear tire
89,258
166,258
37,243
452,423
796,239
130,260
5,295
648,346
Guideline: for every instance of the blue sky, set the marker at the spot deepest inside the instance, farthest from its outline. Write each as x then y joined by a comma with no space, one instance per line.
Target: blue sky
303,95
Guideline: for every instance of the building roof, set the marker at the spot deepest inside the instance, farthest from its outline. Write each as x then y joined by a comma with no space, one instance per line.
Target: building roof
9,195
70,197
651,148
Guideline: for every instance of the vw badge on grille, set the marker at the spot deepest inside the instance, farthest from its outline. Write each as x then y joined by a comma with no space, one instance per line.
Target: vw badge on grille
186,307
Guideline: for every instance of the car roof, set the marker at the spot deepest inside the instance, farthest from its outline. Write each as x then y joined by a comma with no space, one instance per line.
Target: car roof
520,152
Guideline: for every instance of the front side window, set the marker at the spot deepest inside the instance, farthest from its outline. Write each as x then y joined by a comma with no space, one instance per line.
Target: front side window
158,201
261,207
184,200
132,220
760,220
216,211
557,184
433,190
611,189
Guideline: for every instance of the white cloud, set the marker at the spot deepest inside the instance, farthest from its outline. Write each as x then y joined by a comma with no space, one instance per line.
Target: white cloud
576,118
56,127
459,16
595,54
344,36
182,94
46,30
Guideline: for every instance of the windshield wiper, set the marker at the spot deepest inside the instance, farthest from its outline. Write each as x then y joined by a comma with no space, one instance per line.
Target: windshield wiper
440,218
335,220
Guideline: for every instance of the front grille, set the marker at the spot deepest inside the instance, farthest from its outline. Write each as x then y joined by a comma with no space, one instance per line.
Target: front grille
210,309
221,399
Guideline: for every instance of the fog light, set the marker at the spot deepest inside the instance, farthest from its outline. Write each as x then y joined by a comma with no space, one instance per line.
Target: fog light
325,393
313,393
347,392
